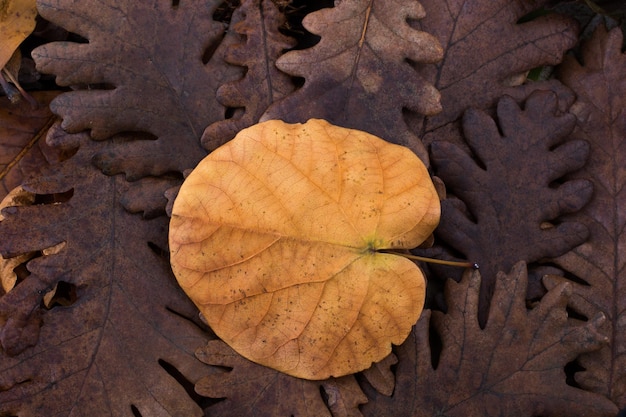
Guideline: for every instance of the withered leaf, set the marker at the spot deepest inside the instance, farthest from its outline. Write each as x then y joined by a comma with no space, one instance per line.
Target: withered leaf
125,324
21,150
359,75
250,389
146,71
260,43
511,197
487,50
17,21
275,237
512,367
598,264
9,268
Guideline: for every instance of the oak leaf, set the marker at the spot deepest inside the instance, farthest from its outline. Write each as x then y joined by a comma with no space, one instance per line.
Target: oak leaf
510,193
21,150
238,378
260,44
101,322
360,75
157,98
17,21
487,50
598,264
275,236
514,366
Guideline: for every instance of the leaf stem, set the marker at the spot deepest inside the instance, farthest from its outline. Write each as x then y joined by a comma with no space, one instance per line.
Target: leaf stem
462,264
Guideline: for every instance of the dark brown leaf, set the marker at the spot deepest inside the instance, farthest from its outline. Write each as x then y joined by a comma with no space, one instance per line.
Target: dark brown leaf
256,22
380,376
511,200
145,70
254,390
487,51
21,152
359,75
115,316
512,367
599,264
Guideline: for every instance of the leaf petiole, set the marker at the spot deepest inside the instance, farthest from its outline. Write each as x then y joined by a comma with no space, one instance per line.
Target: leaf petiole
462,264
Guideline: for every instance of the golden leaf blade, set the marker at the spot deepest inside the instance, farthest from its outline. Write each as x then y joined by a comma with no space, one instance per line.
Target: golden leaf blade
274,237
17,21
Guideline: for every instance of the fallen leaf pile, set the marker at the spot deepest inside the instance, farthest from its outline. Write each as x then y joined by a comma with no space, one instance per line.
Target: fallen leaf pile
530,174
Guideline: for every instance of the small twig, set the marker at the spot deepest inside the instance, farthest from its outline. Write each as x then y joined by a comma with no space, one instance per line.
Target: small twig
31,100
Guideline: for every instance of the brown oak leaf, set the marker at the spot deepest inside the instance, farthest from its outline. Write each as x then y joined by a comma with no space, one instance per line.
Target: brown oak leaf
249,389
148,77
487,51
256,22
359,75
21,150
509,197
599,263
514,366
111,329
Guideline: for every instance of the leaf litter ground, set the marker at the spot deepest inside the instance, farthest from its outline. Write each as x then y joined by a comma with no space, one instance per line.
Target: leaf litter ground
108,251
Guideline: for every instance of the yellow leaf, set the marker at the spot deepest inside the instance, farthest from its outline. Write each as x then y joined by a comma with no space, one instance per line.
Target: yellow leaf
17,21
274,236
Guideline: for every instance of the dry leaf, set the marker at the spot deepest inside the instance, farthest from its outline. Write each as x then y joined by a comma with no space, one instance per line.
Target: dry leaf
274,237
129,333
158,97
249,389
120,376
485,47
380,376
598,264
22,153
260,43
512,367
510,189
359,75
9,267
17,21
